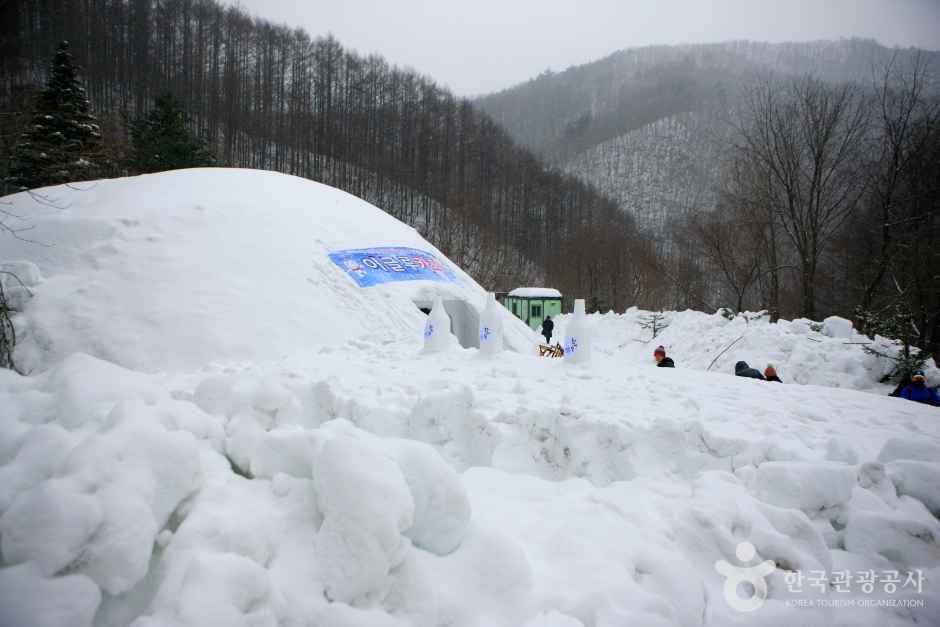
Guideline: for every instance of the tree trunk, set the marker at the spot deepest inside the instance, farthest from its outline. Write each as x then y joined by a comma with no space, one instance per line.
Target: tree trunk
808,289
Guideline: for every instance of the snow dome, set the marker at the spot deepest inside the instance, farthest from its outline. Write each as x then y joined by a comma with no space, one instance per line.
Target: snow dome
222,265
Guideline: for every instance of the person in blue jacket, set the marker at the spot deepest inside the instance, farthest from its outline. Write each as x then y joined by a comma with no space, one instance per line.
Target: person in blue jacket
919,392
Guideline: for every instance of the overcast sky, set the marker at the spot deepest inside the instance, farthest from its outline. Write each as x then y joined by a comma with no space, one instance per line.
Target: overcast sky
479,46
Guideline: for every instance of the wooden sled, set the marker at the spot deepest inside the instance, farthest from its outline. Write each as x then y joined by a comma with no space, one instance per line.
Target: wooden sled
551,351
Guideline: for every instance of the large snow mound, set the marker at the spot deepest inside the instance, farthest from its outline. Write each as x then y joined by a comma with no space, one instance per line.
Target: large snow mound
183,268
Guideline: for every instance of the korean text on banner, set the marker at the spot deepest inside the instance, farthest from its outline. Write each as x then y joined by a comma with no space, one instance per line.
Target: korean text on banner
374,266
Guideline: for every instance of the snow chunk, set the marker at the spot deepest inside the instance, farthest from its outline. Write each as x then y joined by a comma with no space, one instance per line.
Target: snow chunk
86,388
40,455
49,525
137,453
442,510
27,599
366,505
214,395
486,581
920,480
837,327
807,486
215,589
873,478
268,453
119,554
900,538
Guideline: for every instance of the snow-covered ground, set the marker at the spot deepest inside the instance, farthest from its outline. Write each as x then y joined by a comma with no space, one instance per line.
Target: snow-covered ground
197,467
829,353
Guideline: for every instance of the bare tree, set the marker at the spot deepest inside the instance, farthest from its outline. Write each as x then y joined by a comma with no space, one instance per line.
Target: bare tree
806,138
732,240
906,117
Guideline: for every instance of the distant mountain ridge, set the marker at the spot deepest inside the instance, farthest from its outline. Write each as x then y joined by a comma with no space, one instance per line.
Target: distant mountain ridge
644,125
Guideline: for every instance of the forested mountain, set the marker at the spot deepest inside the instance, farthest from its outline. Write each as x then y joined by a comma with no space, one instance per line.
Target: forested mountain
659,171
272,97
562,114
803,177
799,178
646,125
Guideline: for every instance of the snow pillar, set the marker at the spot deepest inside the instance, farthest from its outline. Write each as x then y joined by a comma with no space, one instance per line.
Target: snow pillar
578,336
491,327
437,335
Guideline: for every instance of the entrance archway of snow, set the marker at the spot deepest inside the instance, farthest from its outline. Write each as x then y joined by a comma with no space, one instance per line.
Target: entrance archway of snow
464,320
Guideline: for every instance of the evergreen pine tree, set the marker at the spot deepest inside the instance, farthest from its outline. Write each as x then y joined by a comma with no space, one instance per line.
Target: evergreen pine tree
895,322
161,141
61,142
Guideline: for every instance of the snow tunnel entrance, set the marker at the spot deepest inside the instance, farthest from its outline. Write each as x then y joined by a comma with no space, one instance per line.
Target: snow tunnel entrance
464,320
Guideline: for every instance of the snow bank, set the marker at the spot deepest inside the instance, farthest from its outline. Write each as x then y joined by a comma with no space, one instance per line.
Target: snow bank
325,491
830,353
180,269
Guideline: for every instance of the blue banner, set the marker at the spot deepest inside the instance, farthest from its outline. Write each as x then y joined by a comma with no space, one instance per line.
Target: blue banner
374,266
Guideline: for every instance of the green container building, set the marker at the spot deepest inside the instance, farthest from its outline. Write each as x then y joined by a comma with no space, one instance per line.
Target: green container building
532,304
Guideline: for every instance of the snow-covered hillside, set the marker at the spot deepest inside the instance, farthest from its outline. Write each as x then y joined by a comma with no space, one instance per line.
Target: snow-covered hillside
646,125
657,172
208,438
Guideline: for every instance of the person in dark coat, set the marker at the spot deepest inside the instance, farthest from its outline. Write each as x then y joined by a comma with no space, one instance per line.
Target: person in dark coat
919,392
547,327
661,360
741,369
770,373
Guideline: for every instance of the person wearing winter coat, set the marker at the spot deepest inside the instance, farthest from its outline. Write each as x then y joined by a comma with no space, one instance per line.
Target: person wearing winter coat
770,374
548,325
902,384
919,392
741,369
661,360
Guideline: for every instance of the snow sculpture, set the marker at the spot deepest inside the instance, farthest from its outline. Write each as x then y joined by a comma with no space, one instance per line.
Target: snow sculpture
491,327
578,336
437,335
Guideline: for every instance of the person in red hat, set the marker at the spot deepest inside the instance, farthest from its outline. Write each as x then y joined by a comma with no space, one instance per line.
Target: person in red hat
661,360
770,373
